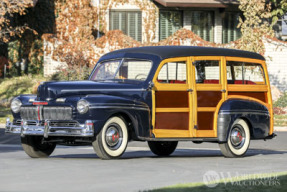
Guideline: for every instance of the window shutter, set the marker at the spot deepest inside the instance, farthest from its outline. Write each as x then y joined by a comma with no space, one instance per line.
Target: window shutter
170,22
202,24
163,34
230,32
117,21
130,22
134,25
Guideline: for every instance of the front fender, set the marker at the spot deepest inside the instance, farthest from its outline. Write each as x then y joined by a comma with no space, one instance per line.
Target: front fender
102,107
254,113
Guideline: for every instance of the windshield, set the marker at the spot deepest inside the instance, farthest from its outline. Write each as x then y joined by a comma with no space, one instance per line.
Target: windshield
122,69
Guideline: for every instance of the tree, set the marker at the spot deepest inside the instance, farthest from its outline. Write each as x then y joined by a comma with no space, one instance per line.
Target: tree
279,9
255,26
8,10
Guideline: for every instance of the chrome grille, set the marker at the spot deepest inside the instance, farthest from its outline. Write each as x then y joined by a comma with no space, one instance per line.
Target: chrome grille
57,113
29,113
46,113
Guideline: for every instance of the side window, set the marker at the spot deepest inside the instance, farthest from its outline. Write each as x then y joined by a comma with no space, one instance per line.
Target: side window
173,72
207,72
244,73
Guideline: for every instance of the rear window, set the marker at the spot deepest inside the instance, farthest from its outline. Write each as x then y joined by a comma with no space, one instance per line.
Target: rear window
244,73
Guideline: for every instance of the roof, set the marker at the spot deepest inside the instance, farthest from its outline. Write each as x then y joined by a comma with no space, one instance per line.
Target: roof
197,3
164,52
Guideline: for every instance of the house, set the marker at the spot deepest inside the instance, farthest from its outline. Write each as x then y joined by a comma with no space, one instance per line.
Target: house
213,20
151,21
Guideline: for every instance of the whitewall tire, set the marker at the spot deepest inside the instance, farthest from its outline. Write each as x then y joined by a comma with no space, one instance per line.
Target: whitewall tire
112,141
238,140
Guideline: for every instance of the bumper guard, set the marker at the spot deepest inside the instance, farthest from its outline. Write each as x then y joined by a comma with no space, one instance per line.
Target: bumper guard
83,130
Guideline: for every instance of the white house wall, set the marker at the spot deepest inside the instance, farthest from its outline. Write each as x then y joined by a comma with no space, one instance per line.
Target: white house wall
276,57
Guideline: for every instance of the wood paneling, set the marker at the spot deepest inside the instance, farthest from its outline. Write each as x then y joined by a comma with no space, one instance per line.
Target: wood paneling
205,120
208,98
172,120
171,99
257,95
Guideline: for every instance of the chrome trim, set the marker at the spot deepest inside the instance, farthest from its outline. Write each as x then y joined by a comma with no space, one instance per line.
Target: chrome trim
119,107
83,130
253,112
101,90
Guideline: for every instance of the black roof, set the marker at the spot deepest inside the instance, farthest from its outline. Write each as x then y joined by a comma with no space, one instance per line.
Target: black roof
165,52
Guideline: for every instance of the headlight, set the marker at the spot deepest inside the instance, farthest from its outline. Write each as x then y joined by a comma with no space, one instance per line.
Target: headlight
16,105
82,106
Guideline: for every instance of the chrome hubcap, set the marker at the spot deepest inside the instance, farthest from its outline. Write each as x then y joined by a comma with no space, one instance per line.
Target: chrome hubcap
114,136
237,137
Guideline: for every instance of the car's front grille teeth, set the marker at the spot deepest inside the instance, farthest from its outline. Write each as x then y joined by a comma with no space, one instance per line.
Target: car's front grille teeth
46,113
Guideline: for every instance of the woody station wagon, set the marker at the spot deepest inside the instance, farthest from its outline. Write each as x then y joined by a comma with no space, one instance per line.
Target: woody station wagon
161,95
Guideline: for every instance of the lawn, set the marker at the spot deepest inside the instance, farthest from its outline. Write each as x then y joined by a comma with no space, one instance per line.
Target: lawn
280,120
276,182
4,113
11,87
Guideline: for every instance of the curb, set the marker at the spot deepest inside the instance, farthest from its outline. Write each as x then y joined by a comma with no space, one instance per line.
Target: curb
280,129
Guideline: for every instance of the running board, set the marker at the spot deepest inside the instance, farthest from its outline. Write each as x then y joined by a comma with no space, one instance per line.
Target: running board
202,139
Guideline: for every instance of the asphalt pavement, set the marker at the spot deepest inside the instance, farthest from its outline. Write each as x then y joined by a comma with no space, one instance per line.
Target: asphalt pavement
79,168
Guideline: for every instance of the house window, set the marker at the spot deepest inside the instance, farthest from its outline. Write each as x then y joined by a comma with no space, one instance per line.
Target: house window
169,23
130,22
230,32
202,24
280,28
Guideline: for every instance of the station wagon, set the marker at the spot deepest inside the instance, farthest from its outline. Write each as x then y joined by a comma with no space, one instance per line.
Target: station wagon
161,94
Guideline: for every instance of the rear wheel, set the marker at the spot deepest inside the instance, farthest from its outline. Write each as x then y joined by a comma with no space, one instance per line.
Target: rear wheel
35,148
112,141
238,140
162,148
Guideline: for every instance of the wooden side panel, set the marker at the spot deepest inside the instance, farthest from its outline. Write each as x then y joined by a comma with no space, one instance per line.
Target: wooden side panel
171,99
172,120
208,98
205,120
262,96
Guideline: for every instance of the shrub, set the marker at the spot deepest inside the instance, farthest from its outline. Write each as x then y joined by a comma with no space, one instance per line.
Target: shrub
282,101
72,73
278,111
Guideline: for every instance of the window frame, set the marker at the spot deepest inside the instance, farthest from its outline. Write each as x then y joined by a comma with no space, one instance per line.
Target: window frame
122,60
140,27
168,11
176,73
212,12
225,29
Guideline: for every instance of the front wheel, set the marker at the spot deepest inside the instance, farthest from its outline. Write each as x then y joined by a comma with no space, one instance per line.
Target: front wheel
162,148
36,148
112,141
238,140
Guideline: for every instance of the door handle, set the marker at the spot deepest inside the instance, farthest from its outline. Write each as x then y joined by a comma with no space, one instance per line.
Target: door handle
190,90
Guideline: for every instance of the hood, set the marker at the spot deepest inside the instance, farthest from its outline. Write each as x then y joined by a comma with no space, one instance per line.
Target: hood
53,90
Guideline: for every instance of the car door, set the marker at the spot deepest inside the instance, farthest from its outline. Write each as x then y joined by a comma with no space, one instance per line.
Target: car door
172,99
210,92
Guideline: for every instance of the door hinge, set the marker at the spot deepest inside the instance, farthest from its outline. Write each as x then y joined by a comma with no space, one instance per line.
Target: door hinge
195,127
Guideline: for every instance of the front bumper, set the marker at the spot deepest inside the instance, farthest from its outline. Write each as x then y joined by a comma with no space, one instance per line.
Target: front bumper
46,130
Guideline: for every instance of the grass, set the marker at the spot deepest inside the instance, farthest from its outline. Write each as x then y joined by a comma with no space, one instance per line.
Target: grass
280,120
11,87
260,182
4,113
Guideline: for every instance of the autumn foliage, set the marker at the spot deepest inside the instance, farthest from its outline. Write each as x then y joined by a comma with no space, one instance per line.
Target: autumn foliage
8,9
